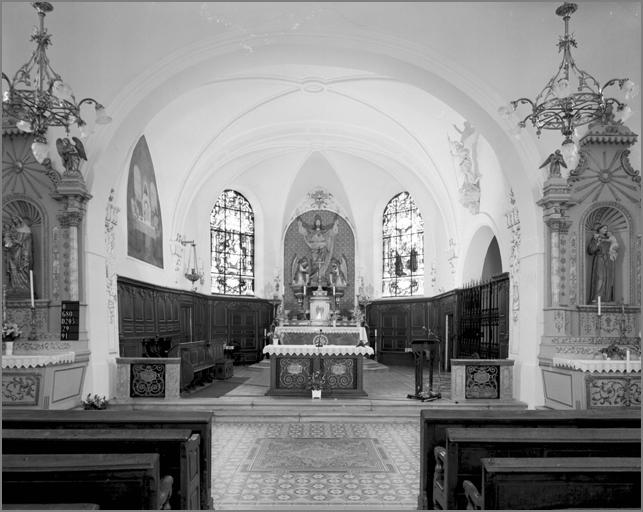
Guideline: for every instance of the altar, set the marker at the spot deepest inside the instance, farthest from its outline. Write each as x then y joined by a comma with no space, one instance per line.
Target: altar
340,366
305,334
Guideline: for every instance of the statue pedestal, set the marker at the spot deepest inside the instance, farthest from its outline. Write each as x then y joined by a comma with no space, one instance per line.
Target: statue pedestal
319,308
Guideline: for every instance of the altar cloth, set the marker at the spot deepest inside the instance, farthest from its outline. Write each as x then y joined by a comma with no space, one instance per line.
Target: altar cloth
598,365
37,360
311,350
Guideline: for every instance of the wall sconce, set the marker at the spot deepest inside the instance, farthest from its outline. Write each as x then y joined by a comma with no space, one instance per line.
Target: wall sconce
193,274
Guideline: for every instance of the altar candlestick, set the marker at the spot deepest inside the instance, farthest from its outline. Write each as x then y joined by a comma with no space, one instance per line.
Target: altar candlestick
599,305
31,287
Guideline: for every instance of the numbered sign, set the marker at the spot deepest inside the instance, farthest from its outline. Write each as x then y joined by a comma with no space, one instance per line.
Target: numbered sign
69,315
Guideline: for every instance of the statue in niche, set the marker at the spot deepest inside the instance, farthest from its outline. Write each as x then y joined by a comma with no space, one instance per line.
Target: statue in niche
17,242
300,268
603,248
321,243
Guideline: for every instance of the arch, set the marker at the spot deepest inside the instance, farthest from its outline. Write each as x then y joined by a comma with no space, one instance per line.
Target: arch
481,243
232,239
402,247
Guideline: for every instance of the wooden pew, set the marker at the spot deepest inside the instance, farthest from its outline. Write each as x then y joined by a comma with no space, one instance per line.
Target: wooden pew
113,481
434,422
198,422
461,459
557,483
178,450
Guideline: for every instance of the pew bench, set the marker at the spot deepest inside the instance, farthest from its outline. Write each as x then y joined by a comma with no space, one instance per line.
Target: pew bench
522,483
195,421
178,450
435,421
465,448
112,481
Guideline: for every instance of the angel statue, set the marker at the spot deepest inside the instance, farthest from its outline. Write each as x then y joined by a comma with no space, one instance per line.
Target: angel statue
337,272
71,154
321,243
555,160
300,268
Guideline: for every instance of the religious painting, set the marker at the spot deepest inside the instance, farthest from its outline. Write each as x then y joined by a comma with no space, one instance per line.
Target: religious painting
144,225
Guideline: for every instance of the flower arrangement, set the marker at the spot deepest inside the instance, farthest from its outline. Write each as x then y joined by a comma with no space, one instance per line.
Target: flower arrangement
613,351
10,331
95,402
317,380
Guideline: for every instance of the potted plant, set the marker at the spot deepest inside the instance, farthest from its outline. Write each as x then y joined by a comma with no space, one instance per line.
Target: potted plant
317,381
95,402
10,333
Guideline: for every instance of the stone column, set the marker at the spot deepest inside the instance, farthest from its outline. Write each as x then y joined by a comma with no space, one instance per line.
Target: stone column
556,199
72,193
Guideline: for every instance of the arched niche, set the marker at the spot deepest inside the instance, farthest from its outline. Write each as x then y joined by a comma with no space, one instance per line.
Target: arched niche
295,247
619,224
35,218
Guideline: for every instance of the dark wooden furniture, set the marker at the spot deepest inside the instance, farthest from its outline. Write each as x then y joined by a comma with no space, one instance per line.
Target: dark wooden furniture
558,483
113,481
434,422
197,422
178,450
461,459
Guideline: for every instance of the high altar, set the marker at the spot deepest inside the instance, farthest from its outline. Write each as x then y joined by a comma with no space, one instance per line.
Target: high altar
318,346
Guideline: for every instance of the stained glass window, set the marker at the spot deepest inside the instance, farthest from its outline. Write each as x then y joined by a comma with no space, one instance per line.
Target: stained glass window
403,256
232,245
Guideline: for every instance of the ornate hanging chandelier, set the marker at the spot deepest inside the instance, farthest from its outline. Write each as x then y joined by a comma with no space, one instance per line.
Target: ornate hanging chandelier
37,98
572,97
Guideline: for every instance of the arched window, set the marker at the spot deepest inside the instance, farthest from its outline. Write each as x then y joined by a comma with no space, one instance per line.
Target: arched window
403,257
232,245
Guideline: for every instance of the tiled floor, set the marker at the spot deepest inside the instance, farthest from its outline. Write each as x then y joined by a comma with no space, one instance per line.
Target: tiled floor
314,460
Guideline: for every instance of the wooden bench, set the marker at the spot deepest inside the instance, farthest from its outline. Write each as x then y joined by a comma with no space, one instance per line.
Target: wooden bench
434,422
461,459
197,422
178,450
557,482
113,481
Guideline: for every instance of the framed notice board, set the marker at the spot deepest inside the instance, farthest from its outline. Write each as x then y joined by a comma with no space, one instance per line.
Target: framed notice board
69,316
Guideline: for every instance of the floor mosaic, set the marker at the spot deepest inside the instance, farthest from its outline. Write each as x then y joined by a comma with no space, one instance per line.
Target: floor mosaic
315,465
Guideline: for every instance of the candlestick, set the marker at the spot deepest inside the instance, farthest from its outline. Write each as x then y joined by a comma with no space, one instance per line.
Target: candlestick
333,290
599,305
31,287
376,333
4,302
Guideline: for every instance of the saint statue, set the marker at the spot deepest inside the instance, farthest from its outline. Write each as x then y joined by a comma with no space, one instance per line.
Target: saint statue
321,243
300,268
555,160
17,243
603,248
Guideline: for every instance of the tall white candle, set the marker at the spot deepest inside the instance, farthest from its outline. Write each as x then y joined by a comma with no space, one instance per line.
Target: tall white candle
31,287
627,360
376,333
599,305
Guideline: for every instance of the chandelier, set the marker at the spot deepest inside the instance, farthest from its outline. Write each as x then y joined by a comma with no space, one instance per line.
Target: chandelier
37,98
572,97
194,274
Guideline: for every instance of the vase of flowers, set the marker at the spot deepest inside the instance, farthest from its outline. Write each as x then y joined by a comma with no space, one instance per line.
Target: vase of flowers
95,402
10,333
317,381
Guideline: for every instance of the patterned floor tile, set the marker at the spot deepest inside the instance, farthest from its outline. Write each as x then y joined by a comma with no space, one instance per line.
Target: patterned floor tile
310,472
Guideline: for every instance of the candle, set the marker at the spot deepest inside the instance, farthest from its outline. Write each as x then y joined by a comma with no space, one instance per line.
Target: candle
304,289
599,305
333,290
376,333
31,287
264,333
627,360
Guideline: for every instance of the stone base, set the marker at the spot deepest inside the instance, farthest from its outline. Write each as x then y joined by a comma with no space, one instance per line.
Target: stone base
141,378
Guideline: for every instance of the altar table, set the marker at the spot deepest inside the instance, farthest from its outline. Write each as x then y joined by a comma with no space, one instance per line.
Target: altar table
305,334
291,367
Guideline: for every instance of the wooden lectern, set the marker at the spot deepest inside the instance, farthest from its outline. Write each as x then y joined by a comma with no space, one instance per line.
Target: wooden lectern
418,348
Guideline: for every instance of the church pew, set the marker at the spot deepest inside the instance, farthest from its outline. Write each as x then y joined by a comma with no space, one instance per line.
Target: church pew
197,422
527,483
434,422
178,450
112,481
460,459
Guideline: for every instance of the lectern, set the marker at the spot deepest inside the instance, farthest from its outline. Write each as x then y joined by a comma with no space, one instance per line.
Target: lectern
418,348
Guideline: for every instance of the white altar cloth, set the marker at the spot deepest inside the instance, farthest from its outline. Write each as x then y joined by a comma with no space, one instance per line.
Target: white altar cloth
36,360
311,350
598,365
